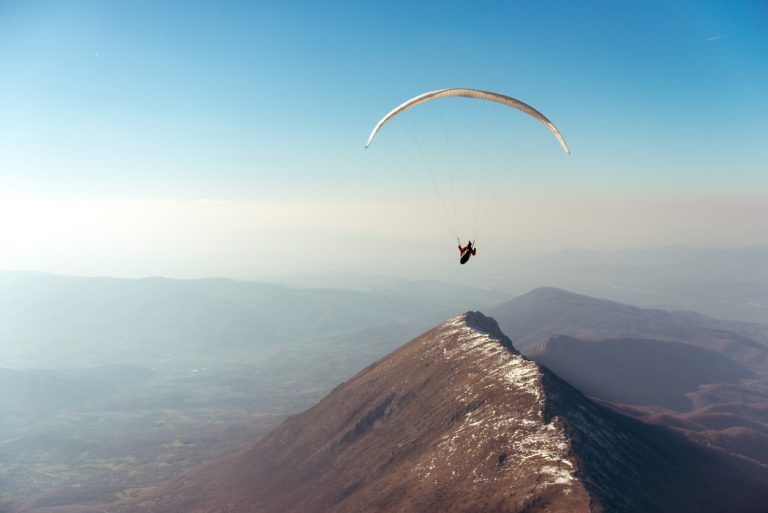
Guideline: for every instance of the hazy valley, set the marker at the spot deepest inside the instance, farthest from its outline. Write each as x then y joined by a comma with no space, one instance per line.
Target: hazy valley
204,368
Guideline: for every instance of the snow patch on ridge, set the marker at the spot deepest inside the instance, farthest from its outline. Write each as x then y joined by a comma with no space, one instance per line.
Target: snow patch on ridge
504,433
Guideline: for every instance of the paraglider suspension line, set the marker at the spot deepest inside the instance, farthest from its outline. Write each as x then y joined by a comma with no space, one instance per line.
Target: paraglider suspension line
437,189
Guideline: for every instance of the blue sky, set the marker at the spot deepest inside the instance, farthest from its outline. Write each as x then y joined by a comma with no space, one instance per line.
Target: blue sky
273,101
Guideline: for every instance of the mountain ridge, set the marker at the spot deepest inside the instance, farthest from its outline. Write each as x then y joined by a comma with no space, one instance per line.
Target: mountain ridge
458,421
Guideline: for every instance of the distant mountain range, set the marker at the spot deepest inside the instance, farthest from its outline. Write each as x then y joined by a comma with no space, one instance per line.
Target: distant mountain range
724,283
532,318
59,320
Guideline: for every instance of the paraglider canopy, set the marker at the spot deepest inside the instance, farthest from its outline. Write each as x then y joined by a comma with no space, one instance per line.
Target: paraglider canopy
471,93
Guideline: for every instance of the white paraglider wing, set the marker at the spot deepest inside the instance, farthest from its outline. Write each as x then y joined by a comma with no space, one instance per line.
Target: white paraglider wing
472,93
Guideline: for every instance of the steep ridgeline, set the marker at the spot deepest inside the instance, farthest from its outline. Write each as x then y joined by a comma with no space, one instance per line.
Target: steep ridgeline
458,421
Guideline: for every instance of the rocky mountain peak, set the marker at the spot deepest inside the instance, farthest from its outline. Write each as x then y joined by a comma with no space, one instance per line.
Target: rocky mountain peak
482,324
458,421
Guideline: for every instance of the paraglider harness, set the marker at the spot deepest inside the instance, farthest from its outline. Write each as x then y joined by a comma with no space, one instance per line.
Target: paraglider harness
466,252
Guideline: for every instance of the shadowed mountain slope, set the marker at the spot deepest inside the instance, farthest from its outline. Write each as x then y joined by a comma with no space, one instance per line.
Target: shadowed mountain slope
458,421
636,371
709,397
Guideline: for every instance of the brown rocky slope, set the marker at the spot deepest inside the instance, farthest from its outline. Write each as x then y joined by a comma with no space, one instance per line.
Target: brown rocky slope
458,421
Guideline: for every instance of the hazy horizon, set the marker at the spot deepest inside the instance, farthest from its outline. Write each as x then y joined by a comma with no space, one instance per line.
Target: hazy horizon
498,266
208,238
193,140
